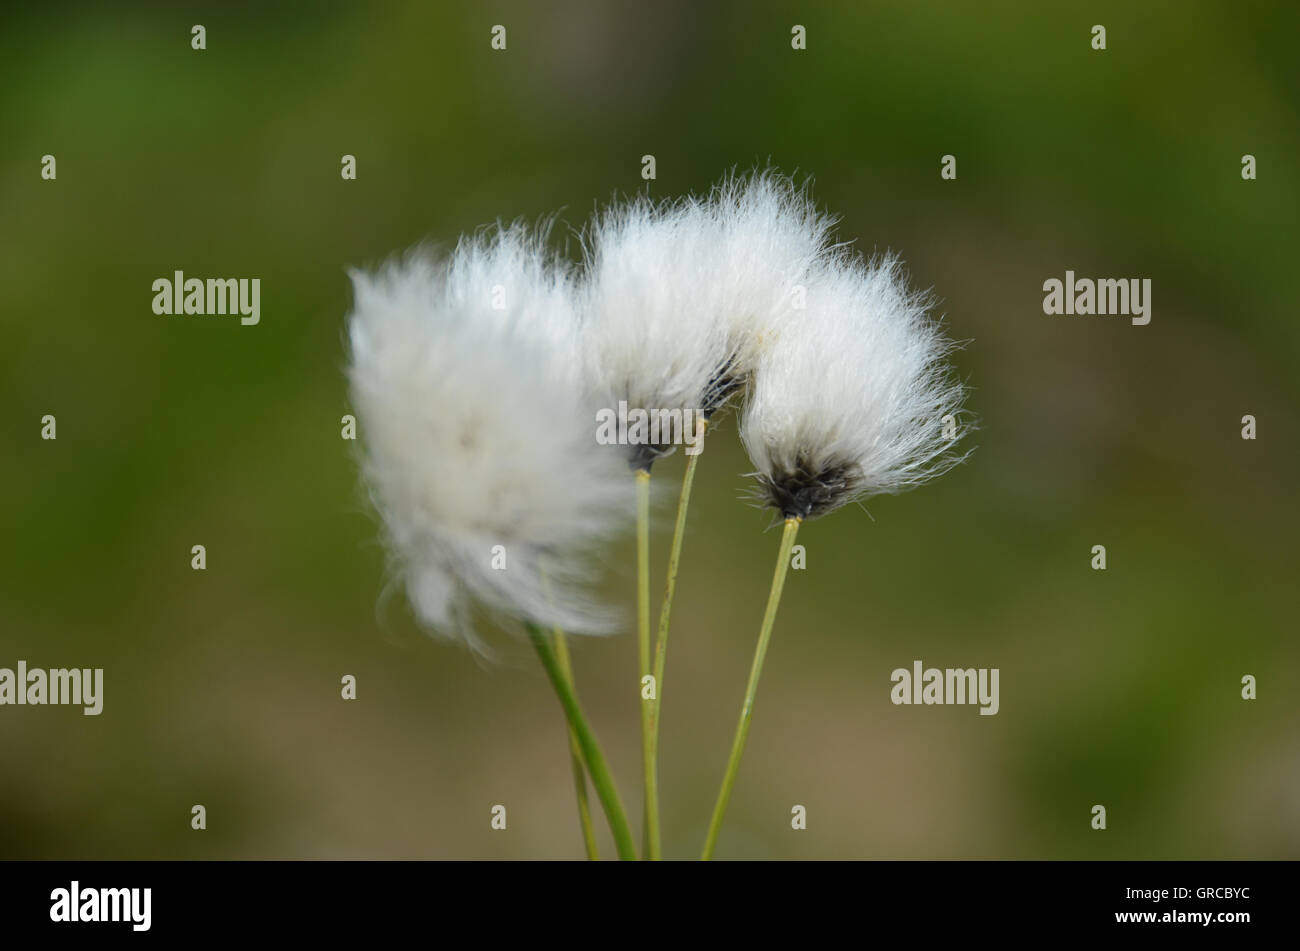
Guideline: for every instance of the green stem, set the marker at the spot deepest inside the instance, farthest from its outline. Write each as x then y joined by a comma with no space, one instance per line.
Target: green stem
661,641
595,759
742,729
650,843
575,754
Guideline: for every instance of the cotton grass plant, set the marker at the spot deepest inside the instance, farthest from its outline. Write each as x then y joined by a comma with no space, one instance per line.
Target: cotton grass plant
477,377
679,300
477,447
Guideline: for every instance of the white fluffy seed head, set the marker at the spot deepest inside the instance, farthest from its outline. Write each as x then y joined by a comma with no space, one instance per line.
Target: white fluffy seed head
681,296
477,434
850,399
769,238
646,337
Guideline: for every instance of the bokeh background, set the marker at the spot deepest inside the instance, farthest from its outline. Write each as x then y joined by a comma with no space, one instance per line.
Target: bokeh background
1119,687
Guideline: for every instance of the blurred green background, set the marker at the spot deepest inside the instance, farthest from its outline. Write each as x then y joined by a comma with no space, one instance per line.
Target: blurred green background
1119,687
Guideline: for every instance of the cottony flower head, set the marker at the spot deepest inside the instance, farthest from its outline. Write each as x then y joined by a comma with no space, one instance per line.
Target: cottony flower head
479,447
646,337
849,400
681,295
767,239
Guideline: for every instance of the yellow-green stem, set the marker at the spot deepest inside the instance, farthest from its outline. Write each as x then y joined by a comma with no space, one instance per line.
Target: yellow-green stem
665,613
746,712
575,753
650,840
601,779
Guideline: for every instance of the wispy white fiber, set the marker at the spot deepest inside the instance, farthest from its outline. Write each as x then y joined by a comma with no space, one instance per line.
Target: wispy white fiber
769,239
849,400
647,337
477,433
681,295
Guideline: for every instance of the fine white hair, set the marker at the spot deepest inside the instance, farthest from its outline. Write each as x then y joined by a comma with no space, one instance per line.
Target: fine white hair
477,434
681,296
850,399
646,338
768,238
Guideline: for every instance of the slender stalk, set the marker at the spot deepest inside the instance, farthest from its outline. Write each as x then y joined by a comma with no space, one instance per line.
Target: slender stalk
601,779
661,641
650,839
742,729
575,754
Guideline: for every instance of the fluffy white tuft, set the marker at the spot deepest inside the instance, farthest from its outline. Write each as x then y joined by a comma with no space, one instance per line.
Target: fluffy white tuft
477,434
646,337
849,400
680,296
768,239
